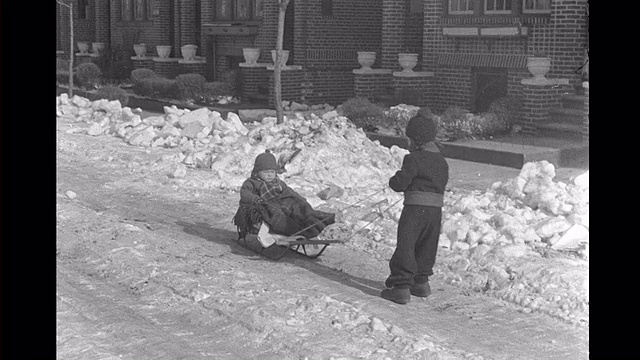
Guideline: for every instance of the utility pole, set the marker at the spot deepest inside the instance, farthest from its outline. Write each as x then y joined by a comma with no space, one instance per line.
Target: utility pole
70,6
277,69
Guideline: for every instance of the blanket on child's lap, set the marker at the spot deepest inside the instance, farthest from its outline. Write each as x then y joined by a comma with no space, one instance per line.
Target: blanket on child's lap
285,215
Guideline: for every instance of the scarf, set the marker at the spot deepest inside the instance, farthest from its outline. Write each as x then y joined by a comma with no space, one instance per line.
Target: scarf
432,146
270,190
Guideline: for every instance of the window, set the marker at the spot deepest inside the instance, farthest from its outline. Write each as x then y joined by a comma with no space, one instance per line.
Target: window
140,10
536,6
134,10
460,7
497,6
258,8
243,10
82,9
238,10
127,10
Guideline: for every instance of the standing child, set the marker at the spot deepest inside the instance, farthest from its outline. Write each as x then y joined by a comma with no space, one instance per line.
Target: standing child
423,178
265,197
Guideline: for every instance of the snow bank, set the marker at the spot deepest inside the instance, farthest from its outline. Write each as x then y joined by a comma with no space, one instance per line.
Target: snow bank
528,209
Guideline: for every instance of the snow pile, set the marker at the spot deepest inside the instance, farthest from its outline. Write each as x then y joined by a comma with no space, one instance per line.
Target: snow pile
497,240
530,209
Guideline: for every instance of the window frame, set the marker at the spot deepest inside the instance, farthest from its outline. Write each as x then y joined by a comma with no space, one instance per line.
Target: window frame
129,13
82,13
255,10
461,12
524,10
497,12
145,10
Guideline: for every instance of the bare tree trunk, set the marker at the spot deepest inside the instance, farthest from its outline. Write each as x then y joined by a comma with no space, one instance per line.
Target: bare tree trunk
277,70
71,50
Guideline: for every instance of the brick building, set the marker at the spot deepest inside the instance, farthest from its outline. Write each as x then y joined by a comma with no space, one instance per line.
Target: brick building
470,51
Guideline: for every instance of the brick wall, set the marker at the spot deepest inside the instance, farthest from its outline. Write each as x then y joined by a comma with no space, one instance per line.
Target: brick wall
332,87
585,128
291,86
393,32
102,20
422,84
566,47
154,31
536,102
372,85
253,78
84,29
453,88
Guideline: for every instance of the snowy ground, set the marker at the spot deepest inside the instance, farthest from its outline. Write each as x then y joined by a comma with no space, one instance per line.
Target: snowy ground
522,242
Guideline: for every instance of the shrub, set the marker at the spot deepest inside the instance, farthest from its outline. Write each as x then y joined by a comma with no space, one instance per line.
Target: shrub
88,74
190,86
507,109
409,97
119,71
216,88
157,87
62,76
232,79
457,123
62,64
112,93
363,113
176,71
139,74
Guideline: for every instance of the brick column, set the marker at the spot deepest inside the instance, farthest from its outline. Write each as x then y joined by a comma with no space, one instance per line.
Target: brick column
585,129
393,24
198,66
371,84
102,21
65,35
163,67
292,78
187,23
419,81
538,97
432,38
253,76
142,62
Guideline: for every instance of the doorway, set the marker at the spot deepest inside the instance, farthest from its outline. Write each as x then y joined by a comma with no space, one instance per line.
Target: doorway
489,84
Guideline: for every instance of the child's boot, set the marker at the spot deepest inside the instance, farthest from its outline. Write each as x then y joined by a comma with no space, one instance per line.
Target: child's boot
421,290
397,295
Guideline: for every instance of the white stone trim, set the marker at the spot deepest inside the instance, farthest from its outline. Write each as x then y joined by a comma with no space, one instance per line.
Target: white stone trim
413,74
372,71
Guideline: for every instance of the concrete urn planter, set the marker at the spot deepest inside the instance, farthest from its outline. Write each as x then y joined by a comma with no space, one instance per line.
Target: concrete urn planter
140,49
366,59
189,52
407,61
285,56
97,47
251,55
539,66
163,51
83,46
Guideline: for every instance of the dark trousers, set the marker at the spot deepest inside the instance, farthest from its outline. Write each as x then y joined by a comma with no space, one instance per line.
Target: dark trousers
418,233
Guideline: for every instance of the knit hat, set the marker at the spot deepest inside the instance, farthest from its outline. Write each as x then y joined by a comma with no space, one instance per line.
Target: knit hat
421,130
265,161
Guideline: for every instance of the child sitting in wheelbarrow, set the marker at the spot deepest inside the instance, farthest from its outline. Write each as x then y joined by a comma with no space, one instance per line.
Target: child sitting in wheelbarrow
266,198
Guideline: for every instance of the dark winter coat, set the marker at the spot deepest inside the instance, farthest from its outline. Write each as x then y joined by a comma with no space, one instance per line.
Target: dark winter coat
288,213
423,176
